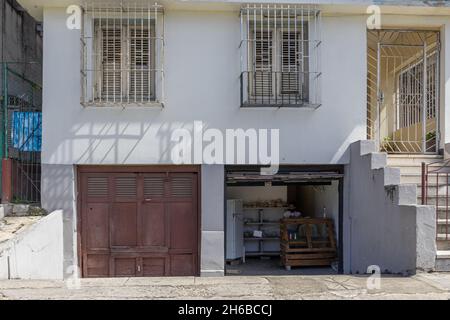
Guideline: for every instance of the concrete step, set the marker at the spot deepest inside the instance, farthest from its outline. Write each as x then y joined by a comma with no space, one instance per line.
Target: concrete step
443,221
443,212
414,169
441,190
411,178
442,264
442,244
417,170
443,254
443,237
433,200
442,260
411,159
444,227
442,215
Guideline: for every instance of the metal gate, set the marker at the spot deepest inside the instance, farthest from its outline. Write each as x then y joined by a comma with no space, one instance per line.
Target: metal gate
21,133
403,90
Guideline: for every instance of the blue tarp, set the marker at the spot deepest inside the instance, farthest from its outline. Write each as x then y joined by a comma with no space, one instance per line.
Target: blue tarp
26,133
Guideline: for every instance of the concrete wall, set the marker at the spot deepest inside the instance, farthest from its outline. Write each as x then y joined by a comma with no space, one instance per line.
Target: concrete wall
58,193
382,224
20,41
212,230
37,253
261,193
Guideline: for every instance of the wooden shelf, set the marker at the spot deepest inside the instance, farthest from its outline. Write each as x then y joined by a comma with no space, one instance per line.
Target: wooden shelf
258,245
262,238
262,208
260,223
262,253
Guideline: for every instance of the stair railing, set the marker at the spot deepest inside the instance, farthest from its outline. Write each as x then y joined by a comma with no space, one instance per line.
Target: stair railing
430,174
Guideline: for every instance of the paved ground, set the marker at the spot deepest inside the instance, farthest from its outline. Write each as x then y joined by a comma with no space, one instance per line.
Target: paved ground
258,267
421,286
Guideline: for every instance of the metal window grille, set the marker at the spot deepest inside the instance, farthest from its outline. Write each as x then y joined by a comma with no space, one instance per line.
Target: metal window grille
410,88
280,55
123,48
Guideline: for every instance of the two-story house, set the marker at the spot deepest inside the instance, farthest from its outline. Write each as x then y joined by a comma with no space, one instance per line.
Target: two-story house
160,121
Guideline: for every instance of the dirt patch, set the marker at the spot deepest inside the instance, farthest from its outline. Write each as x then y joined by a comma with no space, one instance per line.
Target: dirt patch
11,226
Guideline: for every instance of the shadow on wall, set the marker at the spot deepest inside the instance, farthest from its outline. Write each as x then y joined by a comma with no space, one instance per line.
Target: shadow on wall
143,138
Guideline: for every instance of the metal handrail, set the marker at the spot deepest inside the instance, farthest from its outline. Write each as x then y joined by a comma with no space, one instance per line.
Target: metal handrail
442,169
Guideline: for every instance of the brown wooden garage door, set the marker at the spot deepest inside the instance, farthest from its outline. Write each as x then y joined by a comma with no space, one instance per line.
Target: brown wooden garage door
138,221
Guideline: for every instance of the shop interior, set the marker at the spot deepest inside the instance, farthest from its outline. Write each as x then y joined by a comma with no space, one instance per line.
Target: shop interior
283,224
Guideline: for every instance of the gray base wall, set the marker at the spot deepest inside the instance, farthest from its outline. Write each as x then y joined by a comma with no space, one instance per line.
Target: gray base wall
213,236
383,225
57,193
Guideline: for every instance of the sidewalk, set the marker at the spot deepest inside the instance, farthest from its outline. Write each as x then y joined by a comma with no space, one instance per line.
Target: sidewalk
421,286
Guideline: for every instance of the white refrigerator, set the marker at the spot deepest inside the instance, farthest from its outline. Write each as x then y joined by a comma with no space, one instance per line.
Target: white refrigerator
235,229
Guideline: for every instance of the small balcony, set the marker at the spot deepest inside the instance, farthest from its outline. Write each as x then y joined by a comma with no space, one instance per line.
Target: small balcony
278,89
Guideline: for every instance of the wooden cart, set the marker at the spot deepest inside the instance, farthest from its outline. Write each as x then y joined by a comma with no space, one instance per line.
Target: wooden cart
307,242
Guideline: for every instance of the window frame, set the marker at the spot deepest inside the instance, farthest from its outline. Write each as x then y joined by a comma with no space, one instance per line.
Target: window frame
126,66
302,20
141,72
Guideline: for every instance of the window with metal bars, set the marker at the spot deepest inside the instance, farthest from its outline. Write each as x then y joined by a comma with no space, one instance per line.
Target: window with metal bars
122,54
410,93
280,55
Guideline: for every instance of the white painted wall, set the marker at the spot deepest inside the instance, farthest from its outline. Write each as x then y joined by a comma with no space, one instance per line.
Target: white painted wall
37,253
202,66
262,193
328,197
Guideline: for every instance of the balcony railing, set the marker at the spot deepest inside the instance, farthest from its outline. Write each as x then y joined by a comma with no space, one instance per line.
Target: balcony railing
278,89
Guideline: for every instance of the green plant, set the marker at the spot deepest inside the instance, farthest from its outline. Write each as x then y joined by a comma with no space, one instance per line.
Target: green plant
430,135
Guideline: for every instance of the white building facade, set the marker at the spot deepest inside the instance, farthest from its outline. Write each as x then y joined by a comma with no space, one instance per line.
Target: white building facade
113,96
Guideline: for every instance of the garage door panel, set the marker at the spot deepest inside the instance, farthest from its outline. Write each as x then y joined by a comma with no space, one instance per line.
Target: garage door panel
153,224
182,225
124,224
97,188
153,267
97,265
182,185
97,224
125,266
139,223
125,188
182,265
154,186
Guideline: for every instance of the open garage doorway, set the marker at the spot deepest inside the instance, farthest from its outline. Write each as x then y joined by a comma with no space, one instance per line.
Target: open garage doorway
289,223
